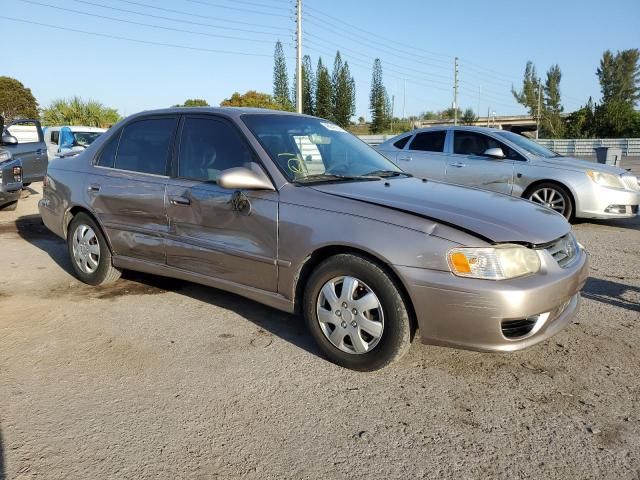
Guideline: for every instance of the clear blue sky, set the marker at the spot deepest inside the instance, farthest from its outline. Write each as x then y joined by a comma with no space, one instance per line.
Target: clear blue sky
415,39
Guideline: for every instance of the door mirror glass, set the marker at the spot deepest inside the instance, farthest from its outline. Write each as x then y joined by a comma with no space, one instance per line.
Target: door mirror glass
496,153
241,178
9,140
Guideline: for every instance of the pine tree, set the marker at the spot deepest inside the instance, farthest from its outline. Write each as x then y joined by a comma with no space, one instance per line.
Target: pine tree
528,96
378,101
281,79
619,77
553,124
324,92
343,90
308,86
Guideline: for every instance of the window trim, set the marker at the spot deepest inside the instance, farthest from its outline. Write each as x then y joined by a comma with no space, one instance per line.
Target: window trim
175,154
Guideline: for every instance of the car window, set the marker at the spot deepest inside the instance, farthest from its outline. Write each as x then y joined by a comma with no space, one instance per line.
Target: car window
55,136
209,146
402,142
144,145
473,143
25,132
429,141
107,156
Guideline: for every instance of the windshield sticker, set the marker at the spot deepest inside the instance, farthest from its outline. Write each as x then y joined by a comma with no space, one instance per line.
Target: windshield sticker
332,127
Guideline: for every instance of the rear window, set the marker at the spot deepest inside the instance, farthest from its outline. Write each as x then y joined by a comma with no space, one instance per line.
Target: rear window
429,141
402,142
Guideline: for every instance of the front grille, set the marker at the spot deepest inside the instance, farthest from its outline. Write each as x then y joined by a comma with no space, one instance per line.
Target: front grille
518,328
631,182
564,250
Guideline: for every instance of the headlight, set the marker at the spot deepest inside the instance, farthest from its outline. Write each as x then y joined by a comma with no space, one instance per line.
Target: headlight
4,156
605,179
493,263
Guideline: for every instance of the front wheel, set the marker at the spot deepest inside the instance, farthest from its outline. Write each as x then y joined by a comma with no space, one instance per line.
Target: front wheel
89,252
356,313
552,196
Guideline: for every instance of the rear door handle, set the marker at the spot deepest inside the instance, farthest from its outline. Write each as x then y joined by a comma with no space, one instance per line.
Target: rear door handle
94,187
458,164
404,159
179,201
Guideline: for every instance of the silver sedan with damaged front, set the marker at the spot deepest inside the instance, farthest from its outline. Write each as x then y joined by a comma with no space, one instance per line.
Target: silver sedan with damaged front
294,212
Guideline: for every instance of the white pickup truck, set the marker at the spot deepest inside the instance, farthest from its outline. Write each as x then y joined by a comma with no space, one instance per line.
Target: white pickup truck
66,140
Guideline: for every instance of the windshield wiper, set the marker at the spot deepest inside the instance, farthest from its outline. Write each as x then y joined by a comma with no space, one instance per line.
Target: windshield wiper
328,177
388,173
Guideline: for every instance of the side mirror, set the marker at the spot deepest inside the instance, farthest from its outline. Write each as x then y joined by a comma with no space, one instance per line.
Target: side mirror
9,140
496,153
241,178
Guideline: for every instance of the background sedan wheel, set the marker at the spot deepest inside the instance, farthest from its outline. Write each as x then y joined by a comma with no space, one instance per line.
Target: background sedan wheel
89,252
356,313
554,197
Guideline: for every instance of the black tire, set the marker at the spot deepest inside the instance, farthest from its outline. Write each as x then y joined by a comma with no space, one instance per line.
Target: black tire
396,334
569,211
9,207
105,272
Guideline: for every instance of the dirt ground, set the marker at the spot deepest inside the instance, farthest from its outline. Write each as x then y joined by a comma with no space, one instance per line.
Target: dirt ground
156,378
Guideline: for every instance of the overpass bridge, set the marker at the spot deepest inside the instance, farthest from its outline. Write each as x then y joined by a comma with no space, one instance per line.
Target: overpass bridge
515,123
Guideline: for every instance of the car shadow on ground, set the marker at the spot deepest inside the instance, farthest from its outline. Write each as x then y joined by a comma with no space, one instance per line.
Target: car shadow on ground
626,223
285,326
612,293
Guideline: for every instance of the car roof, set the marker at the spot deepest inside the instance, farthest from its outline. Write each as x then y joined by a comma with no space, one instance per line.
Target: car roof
227,111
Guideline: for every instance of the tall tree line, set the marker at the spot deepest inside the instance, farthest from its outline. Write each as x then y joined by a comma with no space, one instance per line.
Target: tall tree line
326,95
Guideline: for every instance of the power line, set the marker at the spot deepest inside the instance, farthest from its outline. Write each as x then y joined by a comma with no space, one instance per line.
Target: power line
177,20
239,9
131,22
135,40
179,12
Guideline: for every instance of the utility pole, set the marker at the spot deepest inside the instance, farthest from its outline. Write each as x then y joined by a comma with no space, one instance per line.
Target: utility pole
488,112
455,91
539,106
299,56
478,111
393,105
404,97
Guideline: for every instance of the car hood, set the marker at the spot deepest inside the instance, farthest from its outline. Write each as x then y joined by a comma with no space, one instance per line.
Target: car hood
572,163
495,217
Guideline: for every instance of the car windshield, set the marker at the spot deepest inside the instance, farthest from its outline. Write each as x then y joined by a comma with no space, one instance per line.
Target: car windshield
85,139
313,150
528,145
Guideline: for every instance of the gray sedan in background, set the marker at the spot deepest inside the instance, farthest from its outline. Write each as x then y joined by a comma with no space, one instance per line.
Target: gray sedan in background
296,213
505,162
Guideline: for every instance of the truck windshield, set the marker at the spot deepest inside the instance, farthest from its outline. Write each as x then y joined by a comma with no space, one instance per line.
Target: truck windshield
528,145
310,149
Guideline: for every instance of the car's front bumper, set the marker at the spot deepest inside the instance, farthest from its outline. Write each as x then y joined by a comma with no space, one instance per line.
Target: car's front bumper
10,193
604,202
469,313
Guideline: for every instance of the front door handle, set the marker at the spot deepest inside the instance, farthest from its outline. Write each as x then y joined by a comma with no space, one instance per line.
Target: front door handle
179,201
94,187
458,164
404,159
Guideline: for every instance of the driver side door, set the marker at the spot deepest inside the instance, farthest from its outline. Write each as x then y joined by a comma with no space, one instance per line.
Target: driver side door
230,235
467,165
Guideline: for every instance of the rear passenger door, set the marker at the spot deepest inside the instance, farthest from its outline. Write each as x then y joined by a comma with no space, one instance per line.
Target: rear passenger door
230,235
425,156
31,149
126,189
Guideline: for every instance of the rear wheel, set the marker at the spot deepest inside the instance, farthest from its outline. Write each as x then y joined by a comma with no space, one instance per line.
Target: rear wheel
89,252
356,313
552,196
